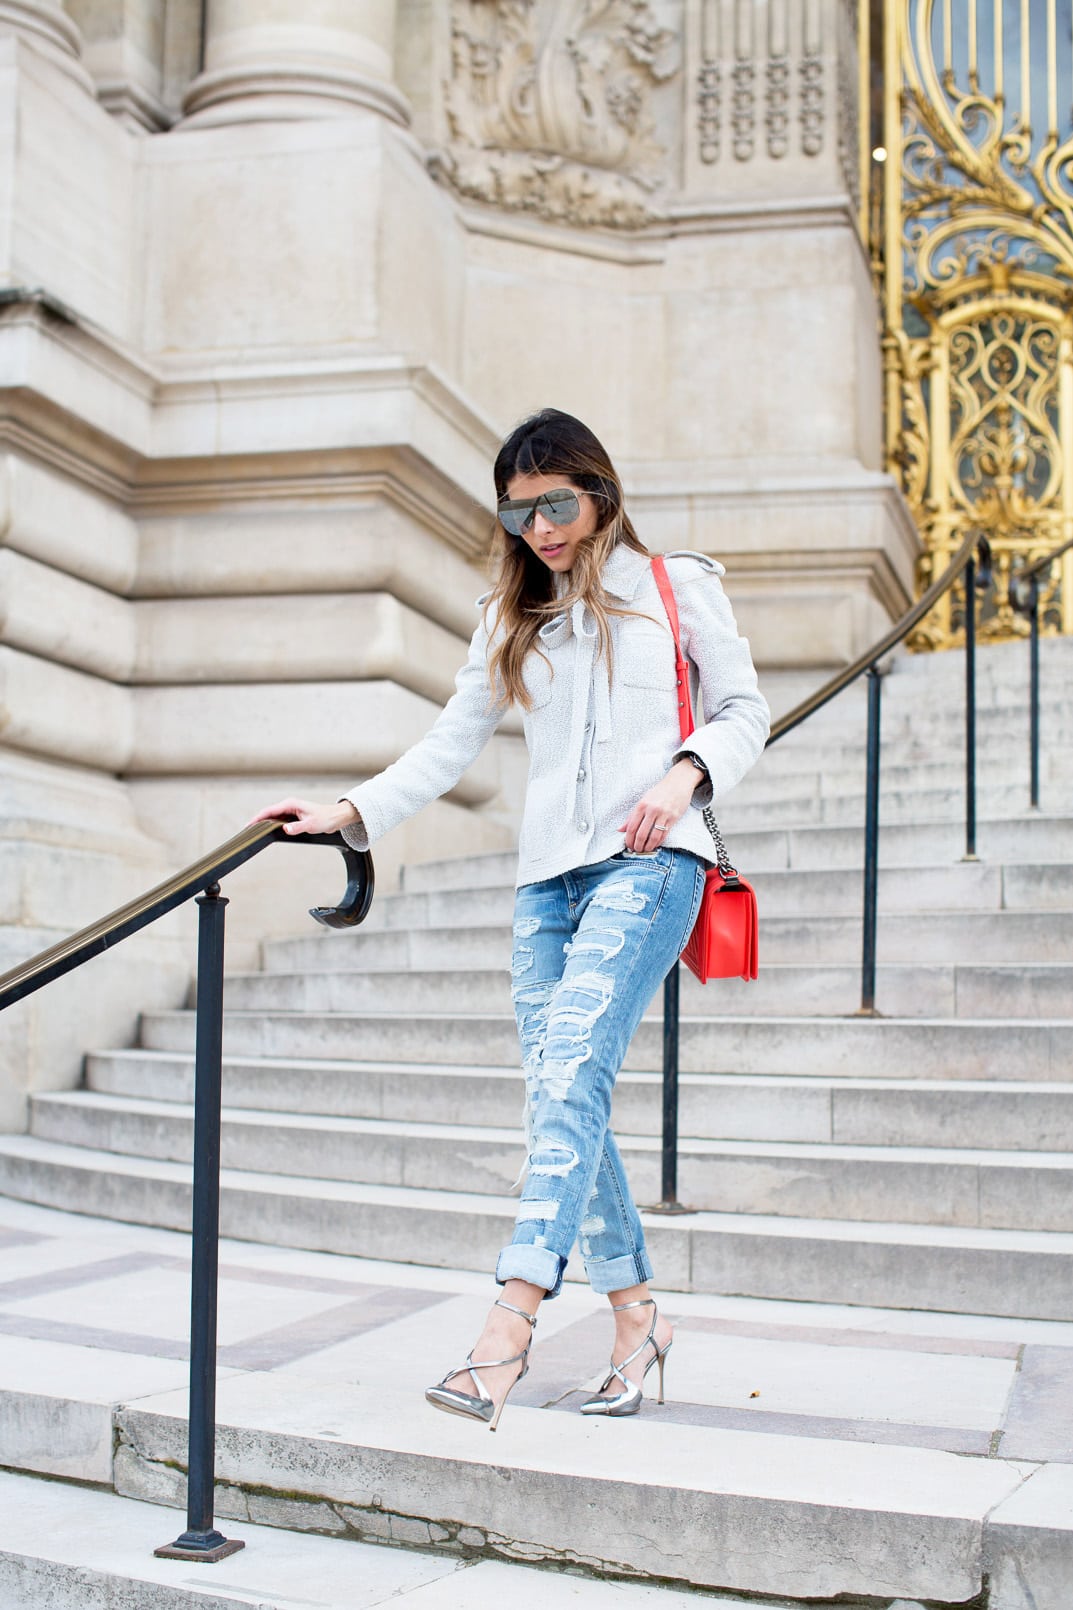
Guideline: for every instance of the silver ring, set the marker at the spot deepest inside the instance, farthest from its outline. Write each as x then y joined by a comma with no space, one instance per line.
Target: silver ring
661,827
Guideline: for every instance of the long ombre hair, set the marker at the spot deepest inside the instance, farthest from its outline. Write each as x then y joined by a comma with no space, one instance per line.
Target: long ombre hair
524,596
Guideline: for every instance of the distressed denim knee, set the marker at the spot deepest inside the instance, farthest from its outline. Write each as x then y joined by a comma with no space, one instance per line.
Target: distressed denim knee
590,949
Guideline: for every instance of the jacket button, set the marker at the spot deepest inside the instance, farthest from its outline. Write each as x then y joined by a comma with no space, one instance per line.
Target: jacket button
583,827
581,775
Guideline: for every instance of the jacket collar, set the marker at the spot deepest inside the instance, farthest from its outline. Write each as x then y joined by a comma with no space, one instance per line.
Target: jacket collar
624,571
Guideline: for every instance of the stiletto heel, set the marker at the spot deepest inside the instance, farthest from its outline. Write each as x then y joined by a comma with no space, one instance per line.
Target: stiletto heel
629,1400
482,1406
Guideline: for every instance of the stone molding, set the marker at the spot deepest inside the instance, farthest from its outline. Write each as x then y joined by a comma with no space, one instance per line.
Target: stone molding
122,425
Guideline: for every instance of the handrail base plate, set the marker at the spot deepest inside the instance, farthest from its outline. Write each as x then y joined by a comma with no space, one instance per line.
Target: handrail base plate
185,1548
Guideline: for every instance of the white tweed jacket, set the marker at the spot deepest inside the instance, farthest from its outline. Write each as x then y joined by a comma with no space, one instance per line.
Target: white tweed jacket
595,745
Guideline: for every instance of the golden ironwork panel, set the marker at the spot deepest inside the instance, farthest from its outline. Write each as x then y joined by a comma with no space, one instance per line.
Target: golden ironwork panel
970,221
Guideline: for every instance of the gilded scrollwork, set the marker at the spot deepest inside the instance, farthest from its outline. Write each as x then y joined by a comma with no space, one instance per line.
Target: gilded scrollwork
551,109
979,310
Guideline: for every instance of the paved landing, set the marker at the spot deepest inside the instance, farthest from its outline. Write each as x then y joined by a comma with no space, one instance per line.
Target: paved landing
791,1407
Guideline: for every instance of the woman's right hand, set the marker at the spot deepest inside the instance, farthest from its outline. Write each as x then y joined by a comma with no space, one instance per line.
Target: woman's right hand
309,818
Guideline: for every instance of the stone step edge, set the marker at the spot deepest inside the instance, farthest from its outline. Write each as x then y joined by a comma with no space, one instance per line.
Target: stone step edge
426,868
737,1020
703,1146
804,1081
496,975
1055,1243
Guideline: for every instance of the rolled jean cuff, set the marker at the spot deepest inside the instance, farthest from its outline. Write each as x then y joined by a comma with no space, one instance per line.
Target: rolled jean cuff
618,1274
538,1265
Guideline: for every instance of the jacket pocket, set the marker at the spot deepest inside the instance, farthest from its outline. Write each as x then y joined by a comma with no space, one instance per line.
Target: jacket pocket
645,655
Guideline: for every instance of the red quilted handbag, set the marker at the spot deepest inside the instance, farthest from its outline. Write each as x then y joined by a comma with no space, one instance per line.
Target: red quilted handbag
723,943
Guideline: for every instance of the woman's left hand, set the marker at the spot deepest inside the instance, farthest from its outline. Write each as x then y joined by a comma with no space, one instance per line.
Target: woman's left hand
663,805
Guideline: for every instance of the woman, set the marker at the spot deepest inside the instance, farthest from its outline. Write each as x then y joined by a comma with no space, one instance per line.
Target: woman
611,858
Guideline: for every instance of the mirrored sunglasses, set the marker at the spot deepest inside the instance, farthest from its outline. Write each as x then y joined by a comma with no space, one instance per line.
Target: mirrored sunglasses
560,506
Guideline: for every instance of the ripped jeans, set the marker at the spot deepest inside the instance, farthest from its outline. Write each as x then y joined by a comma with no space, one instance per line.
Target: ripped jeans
591,947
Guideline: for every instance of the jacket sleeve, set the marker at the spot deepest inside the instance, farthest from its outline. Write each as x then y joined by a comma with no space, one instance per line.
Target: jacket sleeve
736,718
434,764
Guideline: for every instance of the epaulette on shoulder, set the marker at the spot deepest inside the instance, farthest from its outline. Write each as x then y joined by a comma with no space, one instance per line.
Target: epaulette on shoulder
704,560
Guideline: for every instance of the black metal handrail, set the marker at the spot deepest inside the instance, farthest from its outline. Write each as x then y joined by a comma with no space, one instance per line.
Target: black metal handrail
102,935
965,555
1024,596
201,881
974,548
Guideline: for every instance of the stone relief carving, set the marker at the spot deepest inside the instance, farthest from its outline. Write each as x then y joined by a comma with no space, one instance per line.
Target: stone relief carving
551,106
778,106
755,48
710,84
743,110
777,117
812,108
848,97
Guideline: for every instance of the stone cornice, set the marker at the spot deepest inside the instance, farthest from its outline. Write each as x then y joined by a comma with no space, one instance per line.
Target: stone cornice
175,436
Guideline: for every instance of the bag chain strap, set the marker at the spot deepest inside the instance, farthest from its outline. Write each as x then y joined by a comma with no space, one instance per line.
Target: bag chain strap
722,858
666,592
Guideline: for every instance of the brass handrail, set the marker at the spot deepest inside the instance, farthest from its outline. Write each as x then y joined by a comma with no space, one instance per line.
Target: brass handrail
891,639
107,931
1040,566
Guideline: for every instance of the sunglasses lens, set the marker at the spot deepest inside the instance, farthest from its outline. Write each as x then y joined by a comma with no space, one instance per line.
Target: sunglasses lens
561,507
514,521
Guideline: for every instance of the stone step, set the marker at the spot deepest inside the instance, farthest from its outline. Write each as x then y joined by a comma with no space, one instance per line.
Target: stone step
1020,1273
1029,837
855,1524
817,988
898,806
914,1185
835,778
855,1112
993,937
467,1511
69,1547
885,1048
416,930
1002,747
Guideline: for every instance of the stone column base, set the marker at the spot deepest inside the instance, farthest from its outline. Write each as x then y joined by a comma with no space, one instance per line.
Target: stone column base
279,91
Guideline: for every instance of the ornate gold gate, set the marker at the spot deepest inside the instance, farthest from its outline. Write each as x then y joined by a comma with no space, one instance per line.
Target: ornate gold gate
971,227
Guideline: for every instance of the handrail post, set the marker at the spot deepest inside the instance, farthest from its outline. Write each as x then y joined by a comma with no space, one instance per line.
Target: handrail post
871,849
970,711
669,1186
1033,681
201,1540
669,1202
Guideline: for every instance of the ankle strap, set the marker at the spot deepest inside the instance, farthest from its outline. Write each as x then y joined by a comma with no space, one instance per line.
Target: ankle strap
499,1303
642,1302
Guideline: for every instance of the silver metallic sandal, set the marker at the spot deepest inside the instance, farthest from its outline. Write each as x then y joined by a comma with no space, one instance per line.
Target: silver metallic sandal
482,1407
629,1400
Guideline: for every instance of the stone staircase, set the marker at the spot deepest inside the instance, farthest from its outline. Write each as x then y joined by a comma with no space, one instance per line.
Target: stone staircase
922,1159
